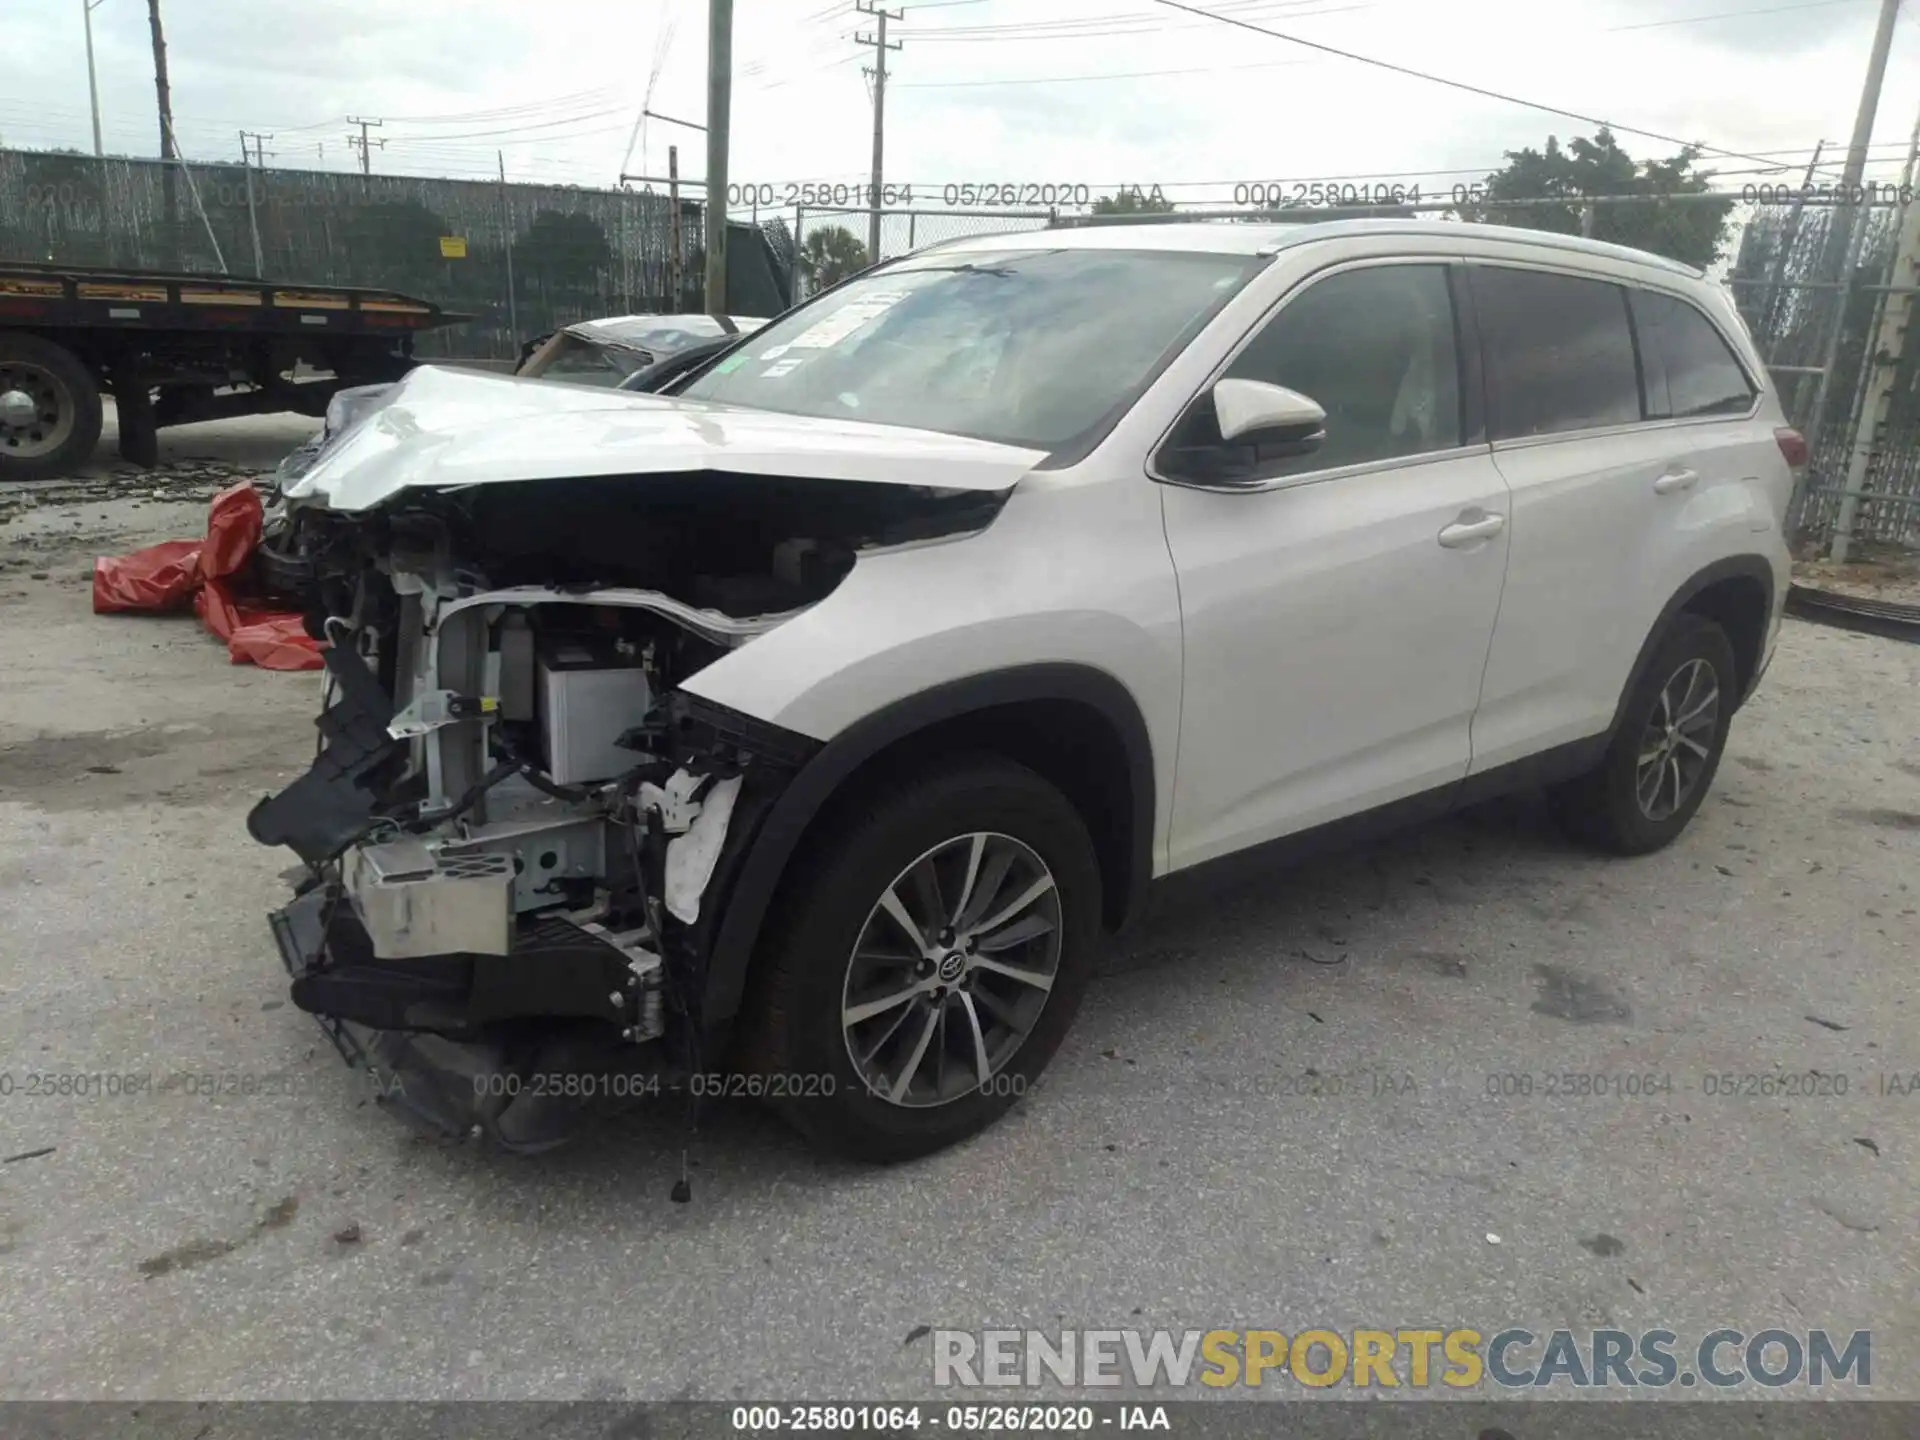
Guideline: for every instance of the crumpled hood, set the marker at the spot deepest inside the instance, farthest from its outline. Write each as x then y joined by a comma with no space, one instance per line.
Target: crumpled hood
444,428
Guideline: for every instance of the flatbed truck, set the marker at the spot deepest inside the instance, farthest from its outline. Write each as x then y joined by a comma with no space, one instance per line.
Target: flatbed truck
175,349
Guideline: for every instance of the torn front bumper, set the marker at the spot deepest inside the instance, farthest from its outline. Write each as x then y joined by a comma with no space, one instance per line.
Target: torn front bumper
437,1037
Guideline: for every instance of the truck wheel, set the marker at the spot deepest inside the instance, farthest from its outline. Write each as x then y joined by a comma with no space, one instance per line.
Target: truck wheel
928,961
49,409
1664,755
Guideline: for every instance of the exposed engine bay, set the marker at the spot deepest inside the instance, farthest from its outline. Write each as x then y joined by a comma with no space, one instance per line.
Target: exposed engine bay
517,829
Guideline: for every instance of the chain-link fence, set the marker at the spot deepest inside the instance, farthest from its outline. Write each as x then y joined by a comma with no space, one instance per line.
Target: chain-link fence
840,234
1827,291
520,259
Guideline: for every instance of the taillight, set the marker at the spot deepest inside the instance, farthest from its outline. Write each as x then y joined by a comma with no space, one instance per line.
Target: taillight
1793,448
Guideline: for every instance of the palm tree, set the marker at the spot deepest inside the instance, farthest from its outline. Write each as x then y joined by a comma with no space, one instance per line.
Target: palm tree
830,254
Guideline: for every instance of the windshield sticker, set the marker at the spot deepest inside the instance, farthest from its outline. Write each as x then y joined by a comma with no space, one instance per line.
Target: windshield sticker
849,318
732,362
779,368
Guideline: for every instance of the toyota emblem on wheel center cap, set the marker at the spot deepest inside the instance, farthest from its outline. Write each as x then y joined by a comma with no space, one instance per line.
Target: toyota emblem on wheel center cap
952,966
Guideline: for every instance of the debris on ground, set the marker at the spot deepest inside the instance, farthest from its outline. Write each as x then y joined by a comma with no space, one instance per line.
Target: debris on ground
1876,570
197,479
213,576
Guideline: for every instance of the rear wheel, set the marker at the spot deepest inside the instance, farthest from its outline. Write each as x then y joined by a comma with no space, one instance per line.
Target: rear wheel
1667,749
49,409
929,961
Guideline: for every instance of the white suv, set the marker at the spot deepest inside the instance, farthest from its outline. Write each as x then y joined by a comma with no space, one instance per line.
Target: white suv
804,732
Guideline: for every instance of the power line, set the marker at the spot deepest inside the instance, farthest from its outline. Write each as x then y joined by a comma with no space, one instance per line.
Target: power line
1116,75
506,112
1730,15
1092,26
515,129
1459,84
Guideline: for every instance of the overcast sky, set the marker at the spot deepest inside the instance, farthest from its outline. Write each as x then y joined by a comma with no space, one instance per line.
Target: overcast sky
1100,92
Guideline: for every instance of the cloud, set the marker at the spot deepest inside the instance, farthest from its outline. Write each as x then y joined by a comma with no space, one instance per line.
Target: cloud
558,86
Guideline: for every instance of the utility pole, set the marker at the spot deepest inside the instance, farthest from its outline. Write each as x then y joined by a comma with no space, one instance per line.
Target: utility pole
676,286
880,45
87,7
1834,265
363,144
253,218
169,224
1884,355
719,111
161,88
506,247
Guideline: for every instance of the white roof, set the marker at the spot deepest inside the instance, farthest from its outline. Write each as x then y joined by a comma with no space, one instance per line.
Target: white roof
1224,237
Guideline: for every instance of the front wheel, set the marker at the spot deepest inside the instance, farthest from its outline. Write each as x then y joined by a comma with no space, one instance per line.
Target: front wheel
1666,750
929,960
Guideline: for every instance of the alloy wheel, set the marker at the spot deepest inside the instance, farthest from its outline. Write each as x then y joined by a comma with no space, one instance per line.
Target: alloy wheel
1677,743
951,970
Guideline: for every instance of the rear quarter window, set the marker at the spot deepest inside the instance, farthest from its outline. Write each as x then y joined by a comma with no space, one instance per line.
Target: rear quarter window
1701,374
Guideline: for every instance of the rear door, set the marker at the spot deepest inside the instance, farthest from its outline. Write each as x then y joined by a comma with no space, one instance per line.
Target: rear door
1336,607
1624,457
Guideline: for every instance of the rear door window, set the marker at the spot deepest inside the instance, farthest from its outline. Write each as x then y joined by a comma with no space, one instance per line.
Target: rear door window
1702,377
1559,352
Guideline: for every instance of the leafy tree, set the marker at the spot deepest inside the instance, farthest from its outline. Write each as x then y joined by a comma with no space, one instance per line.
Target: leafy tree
1689,231
561,255
829,254
1132,200
390,245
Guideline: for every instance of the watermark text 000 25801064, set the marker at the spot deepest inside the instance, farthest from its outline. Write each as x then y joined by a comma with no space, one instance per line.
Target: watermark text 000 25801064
18,1085
1421,1357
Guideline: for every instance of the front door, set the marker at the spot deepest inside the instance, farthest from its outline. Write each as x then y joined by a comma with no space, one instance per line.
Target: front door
1336,606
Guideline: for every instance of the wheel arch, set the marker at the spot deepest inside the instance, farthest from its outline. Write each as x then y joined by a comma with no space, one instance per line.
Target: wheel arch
1736,593
1077,726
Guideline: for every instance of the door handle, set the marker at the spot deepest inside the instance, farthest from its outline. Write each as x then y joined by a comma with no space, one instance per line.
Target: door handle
1675,480
1465,532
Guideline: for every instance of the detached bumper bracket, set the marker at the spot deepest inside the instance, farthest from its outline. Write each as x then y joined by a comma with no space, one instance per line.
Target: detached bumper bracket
329,807
299,931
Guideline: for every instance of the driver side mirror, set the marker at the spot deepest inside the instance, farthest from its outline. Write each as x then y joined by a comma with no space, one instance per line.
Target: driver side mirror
1281,422
1241,431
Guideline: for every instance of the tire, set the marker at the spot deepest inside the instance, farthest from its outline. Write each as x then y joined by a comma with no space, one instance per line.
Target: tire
51,429
1608,807
139,430
798,1034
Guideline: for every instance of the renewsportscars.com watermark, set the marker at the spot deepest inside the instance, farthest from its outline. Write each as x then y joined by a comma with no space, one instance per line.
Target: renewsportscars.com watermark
1458,1359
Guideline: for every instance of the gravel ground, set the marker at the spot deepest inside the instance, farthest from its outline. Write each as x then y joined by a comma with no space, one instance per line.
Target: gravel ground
1273,1111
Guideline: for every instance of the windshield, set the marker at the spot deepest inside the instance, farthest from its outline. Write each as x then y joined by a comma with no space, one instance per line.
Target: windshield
579,361
1036,348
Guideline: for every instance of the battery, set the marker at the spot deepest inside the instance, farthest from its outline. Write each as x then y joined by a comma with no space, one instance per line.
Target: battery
588,694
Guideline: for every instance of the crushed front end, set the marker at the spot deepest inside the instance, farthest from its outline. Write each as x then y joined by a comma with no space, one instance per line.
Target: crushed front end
514,825
519,830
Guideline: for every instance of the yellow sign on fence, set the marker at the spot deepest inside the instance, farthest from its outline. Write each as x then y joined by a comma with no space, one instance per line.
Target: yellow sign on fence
453,247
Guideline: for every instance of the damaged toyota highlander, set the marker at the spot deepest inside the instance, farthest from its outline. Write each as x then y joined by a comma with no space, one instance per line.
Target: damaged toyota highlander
813,724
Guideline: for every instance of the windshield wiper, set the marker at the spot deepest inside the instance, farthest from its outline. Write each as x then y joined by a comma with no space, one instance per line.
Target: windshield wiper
968,269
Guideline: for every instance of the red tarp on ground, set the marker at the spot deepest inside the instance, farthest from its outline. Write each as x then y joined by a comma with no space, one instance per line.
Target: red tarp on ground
210,575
